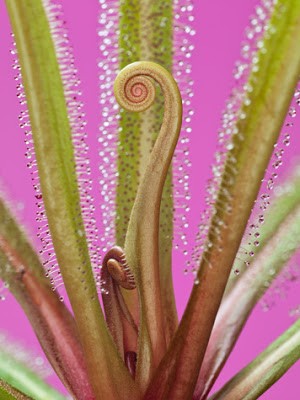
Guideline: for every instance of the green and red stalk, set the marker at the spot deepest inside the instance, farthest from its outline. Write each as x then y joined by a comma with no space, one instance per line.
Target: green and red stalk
52,322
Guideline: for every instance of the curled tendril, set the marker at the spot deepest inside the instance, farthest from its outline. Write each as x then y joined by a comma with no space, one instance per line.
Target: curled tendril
115,273
116,264
135,91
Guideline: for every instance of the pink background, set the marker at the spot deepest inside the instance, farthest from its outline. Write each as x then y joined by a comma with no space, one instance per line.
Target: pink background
220,25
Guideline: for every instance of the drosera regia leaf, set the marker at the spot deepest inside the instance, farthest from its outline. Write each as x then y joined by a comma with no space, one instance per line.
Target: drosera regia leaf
135,91
251,43
77,119
270,89
22,378
54,325
286,198
7,392
116,274
55,159
247,291
76,116
145,36
265,370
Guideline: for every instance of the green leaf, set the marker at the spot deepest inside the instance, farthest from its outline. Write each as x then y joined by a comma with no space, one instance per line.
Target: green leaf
56,167
25,380
143,36
281,206
253,380
272,83
23,272
239,303
9,393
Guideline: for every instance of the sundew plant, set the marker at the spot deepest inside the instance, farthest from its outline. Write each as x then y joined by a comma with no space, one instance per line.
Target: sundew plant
97,283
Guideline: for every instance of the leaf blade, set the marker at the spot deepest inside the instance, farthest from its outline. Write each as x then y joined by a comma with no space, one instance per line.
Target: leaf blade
280,208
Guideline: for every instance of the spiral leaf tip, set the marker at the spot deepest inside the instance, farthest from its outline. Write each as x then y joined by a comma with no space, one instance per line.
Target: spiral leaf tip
133,88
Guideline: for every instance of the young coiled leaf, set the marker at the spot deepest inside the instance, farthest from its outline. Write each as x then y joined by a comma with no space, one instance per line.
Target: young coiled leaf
135,91
146,33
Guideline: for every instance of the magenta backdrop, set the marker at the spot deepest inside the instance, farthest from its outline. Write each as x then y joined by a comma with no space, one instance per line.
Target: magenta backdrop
220,25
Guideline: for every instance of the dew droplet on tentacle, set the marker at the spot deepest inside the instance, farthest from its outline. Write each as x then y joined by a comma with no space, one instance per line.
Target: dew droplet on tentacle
46,250
268,185
108,142
229,137
4,286
108,65
282,286
72,91
73,95
183,48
